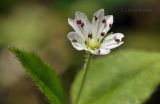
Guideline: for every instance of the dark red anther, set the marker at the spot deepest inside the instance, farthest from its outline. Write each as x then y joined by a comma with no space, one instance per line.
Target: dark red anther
79,21
85,42
89,35
99,51
95,17
102,33
110,25
103,20
117,40
74,40
82,25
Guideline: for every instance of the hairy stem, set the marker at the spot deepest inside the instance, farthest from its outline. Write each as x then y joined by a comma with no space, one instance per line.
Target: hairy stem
85,69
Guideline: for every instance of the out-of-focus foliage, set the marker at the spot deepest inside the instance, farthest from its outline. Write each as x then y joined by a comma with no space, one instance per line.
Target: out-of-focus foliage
27,26
126,77
45,78
142,40
35,27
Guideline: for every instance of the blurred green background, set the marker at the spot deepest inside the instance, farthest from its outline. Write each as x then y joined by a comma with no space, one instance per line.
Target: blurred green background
41,26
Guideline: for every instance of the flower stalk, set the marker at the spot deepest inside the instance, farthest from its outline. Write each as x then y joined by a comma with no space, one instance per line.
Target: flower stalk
85,69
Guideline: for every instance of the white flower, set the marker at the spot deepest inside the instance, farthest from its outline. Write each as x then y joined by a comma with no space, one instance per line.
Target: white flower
93,36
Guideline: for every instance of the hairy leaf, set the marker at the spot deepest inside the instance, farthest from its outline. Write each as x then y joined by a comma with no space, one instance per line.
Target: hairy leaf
42,74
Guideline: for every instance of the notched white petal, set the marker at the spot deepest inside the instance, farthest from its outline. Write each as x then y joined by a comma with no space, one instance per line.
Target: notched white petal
78,46
109,19
119,35
115,36
74,35
76,40
102,51
96,20
109,22
74,25
112,41
80,15
102,26
85,24
99,14
113,45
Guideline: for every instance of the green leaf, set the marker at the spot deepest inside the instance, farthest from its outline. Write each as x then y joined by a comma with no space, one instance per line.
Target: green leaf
126,77
45,78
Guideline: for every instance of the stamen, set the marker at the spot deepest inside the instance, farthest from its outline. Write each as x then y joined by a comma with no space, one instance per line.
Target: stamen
85,42
102,34
95,17
117,40
89,35
74,40
99,51
79,21
110,25
82,25
104,21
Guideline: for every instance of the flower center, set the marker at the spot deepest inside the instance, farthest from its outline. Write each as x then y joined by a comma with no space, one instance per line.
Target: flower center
93,43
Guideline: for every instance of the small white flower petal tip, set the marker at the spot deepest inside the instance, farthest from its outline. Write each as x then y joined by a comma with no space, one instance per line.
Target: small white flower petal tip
92,36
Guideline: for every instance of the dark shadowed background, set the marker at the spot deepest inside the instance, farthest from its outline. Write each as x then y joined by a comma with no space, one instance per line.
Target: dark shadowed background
41,26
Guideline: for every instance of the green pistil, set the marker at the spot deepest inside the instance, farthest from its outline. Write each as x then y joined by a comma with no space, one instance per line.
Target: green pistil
93,44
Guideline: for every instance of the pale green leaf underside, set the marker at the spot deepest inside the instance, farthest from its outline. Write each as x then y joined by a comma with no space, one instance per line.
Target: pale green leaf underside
126,77
43,75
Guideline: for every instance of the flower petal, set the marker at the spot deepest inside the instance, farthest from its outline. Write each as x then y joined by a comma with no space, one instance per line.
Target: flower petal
99,14
109,22
74,25
85,22
102,51
115,35
96,21
102,26
76,40
112,41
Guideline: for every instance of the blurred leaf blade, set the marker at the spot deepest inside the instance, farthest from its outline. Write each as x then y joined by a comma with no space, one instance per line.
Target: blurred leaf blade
42,74
127,77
